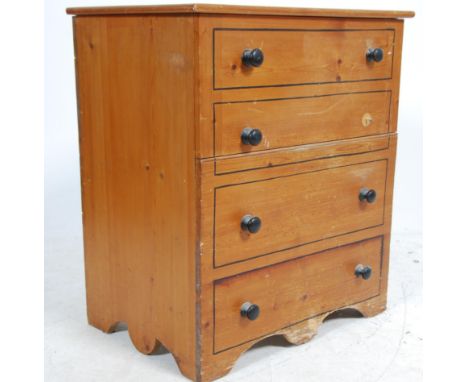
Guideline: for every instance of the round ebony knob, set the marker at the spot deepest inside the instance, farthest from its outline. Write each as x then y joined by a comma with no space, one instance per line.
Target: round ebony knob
374,55
251,136
366,195
363,271
252,57
249,310
251,223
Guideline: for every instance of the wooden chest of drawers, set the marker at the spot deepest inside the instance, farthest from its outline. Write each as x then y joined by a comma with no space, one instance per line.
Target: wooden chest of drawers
237,170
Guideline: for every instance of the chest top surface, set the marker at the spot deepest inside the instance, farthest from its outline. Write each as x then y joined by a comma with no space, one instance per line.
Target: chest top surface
239,10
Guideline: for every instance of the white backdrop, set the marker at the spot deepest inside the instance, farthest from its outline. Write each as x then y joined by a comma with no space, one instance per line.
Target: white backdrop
62,185
76,352
445,136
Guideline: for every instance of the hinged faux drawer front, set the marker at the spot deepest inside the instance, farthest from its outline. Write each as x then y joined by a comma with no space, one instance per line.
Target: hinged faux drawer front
256,58
268,124
256,303
259,218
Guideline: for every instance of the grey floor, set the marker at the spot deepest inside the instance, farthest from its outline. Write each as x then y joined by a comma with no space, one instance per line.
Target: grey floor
387,347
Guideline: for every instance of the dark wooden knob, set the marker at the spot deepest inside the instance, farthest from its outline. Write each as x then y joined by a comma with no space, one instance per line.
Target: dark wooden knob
251,136
249,310
366,195
363,271
374,55
251,223
252,57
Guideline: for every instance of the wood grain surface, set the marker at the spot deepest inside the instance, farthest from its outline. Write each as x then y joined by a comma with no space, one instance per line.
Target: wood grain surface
292,291
217,365
236,9
298,121
294,57
296,209
138,178
223,23
280,157
165,181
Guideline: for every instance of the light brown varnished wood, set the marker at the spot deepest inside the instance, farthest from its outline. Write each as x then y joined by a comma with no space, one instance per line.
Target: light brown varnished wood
296,334
295,56
298,121
208,23
296,209
210,183
138,178
277,157
237,9
303,332
217,365
158,142
292,291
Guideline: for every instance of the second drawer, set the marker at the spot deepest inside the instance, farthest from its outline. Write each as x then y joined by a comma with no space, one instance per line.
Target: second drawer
299,121
259,218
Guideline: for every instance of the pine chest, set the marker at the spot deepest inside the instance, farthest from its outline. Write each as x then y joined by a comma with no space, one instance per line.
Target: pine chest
237,169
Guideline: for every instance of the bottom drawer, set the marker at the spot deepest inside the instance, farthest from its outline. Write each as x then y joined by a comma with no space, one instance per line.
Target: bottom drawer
289,292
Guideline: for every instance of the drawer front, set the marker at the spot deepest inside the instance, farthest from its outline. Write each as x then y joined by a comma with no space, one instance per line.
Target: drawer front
298,121
296,210
295,290
299,57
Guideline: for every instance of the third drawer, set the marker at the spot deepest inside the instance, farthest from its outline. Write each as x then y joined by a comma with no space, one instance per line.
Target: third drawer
267,216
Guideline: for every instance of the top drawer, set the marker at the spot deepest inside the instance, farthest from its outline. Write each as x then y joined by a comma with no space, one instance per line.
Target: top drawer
300,57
